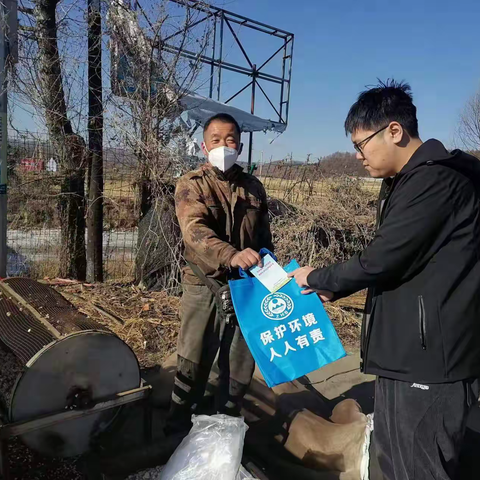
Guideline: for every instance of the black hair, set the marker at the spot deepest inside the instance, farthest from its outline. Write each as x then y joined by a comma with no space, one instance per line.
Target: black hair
387,102
224,118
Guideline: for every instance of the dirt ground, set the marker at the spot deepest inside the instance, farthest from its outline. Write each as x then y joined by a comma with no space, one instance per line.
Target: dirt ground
148,322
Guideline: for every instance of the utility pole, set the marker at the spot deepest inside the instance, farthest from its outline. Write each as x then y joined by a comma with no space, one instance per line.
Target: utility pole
95,145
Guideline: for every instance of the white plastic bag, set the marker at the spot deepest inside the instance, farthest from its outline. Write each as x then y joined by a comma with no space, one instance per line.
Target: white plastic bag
365,464
211,451
244,475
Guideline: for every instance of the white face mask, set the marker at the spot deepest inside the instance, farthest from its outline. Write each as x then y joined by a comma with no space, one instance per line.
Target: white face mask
223,158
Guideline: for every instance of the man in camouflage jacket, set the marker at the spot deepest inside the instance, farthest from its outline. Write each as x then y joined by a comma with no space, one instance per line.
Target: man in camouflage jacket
223,216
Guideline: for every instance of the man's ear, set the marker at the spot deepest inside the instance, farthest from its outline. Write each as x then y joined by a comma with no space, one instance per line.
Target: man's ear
204,149
396,131
240,149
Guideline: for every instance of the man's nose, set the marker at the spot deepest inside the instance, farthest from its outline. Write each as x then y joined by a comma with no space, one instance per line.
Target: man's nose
360,156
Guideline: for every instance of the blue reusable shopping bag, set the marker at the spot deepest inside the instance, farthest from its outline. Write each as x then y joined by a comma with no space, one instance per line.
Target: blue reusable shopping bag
289,334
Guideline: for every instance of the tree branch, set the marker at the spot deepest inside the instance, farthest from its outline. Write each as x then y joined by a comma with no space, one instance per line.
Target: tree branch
26,11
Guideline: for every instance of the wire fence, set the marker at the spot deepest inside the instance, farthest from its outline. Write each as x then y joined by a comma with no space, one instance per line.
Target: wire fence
34,235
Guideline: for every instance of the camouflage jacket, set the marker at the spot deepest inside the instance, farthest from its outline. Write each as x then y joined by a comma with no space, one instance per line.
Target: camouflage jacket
219,215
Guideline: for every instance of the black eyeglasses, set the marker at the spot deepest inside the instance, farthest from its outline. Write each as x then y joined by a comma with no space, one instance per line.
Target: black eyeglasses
359,145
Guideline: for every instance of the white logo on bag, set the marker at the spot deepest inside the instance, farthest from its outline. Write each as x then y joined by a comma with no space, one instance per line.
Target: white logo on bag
277,306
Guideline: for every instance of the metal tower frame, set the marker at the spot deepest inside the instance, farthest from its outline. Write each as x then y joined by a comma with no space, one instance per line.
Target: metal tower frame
224,19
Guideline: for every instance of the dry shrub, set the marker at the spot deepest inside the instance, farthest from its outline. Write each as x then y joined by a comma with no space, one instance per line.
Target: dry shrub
329,231
326,232
119,213
119,269
46,268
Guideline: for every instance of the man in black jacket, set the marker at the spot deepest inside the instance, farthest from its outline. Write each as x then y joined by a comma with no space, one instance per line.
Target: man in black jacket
421,331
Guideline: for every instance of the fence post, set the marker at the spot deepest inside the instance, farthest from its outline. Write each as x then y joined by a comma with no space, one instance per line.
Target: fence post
95,145
4,142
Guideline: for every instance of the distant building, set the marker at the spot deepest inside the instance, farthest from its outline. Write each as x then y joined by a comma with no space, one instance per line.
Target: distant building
32,165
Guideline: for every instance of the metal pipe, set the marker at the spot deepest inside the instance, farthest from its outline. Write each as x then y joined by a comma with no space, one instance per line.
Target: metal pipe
266,61
252,111
194,24
253,27
220,60
228,66
282,87
239,43
44,421
212,69
269,101
208,8
238,93
289,82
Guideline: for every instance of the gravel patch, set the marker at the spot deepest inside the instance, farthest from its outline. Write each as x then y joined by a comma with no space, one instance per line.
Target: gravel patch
150,474
10,369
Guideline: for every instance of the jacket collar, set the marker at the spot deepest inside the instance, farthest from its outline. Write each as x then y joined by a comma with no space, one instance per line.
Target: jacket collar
230,175
430,151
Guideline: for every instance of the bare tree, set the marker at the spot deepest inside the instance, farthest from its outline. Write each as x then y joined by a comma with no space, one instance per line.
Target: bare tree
141,112
41,79
469,128
147,101
150,78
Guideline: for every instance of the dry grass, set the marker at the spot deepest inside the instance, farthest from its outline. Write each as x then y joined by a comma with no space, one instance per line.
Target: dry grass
313,192
48,268
118,269
120,213
119,188
346,316
151,322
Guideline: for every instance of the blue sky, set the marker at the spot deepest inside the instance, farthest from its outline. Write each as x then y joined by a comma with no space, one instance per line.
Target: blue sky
342,46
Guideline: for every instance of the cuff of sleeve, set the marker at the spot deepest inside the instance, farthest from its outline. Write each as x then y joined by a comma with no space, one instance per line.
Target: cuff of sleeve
313,279
229,253
316,282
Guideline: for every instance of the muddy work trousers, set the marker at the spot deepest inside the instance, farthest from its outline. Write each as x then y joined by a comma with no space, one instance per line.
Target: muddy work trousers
204,338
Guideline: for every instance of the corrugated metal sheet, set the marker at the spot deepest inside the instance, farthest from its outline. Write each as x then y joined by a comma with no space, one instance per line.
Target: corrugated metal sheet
52,306
20,332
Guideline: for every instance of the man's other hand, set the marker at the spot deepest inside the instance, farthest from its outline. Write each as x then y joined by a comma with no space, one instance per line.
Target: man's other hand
300,275
245,259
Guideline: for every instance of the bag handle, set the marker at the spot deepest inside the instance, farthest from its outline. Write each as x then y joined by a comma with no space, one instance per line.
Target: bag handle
263,251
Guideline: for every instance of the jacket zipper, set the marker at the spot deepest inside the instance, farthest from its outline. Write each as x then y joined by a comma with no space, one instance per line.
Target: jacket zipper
367,328
422,322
